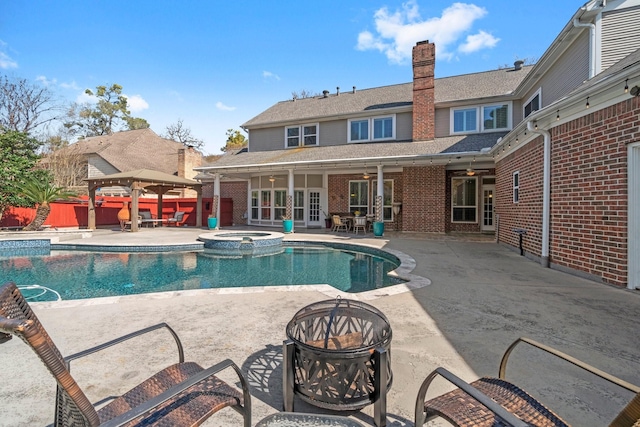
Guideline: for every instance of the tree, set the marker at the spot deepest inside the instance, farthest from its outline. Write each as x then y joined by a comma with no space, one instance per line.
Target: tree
40,192
110,114
304,93
235,140
18,154
65,162
25,106
178,133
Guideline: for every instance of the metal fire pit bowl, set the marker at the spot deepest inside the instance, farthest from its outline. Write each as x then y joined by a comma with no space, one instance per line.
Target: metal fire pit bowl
337,357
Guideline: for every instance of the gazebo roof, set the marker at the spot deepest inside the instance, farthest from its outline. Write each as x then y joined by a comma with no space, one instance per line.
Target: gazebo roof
150,177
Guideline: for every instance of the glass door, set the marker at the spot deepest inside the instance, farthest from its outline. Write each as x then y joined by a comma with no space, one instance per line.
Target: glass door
488,223
314,217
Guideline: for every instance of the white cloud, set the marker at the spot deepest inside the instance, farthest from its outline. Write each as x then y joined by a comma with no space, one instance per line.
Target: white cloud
269,74
73,86
221,106
398,32
476,42
45,81
5,60
136,103
84,98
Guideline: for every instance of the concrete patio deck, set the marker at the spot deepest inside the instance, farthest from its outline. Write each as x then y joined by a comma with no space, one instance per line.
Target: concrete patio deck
482,296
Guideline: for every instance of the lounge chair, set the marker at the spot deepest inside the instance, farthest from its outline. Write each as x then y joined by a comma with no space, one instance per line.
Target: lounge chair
176,219
497,402
184,394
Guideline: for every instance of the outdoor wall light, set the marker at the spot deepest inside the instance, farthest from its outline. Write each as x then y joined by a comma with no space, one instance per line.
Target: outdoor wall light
626,86
272,178
587,106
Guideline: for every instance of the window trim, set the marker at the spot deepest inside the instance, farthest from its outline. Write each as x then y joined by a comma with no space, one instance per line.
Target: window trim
301,135
475,206
537,93
516,186
479,117
370,128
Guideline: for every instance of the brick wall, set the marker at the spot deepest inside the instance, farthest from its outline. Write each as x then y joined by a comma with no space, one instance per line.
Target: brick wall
238,192
527,213
423,200
588,192
188,158
423,61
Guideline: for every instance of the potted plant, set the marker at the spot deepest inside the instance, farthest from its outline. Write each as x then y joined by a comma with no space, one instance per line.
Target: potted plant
328,223
287,224
357,213
212,221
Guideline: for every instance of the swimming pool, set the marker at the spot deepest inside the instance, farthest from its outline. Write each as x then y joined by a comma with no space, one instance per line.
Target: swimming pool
80,275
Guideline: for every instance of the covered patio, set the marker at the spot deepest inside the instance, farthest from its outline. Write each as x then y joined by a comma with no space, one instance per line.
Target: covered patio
139,180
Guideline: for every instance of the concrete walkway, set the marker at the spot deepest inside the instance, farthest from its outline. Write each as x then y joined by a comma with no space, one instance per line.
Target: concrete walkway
481,297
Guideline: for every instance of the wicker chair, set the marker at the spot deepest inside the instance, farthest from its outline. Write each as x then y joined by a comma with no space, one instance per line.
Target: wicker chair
183,394
360,223
338,224
490,402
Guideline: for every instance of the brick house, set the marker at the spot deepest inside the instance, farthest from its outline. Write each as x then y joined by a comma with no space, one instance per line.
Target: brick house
553,149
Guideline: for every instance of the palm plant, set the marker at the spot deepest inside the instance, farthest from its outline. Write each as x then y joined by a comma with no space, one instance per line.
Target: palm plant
41,192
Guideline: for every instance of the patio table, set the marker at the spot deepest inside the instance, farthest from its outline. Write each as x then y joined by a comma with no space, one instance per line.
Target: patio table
290,419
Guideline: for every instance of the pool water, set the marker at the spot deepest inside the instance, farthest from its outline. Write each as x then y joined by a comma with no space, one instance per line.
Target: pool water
78,275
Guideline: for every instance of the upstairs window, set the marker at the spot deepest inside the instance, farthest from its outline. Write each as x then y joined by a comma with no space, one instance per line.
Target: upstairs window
465,120
532,104
372,129
297,136
481,118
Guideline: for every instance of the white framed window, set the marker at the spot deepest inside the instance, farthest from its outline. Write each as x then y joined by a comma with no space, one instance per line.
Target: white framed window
481,118
387,198
371,129
465,120
516,187
297,136
464,203
359,196
532,104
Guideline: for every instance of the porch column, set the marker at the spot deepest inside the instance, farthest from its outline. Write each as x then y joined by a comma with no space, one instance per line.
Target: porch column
290,200
91,222
135,194
216,199
380,195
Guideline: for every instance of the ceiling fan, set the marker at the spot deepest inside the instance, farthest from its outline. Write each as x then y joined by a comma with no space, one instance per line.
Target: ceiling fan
471,171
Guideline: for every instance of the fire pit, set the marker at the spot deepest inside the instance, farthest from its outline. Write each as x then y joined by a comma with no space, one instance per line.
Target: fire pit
337,357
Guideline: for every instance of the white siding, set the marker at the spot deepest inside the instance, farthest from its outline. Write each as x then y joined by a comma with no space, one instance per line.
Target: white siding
620,35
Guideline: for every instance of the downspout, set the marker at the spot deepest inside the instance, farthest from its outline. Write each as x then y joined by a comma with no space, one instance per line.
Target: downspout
592,43
546,192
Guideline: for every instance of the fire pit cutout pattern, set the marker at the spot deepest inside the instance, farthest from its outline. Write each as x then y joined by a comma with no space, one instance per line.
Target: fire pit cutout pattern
337,357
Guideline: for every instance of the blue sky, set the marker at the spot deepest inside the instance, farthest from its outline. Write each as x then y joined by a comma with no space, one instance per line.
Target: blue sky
215,64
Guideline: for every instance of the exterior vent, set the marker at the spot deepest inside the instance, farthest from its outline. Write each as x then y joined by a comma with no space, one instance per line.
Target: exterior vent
518,65
354,89
325,93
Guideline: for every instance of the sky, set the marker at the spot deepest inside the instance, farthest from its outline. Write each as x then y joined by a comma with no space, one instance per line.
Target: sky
217,64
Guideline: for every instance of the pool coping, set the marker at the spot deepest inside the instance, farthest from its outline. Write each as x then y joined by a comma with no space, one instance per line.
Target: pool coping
403,271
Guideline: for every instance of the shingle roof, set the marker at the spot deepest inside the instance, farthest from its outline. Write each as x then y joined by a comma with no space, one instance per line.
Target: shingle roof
447,89
134,149
344,153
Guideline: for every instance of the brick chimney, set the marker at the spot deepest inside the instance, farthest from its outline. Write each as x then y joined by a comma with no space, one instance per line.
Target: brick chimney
188,158
424,59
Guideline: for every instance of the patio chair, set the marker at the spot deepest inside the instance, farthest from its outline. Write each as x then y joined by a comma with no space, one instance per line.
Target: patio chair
338,224
496,402
184,394
177,219
360,223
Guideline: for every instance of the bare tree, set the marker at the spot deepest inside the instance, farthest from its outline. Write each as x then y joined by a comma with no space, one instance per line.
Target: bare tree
26,106
304,93
66,163
179,133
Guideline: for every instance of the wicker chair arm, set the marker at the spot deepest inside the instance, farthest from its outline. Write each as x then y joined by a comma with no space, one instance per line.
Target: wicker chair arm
179,388
123,338
566,357
505,415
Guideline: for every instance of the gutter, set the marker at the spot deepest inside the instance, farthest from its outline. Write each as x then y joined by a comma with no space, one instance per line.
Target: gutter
546,192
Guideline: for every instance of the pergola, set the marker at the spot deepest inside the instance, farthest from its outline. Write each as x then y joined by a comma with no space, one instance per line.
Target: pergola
137,180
